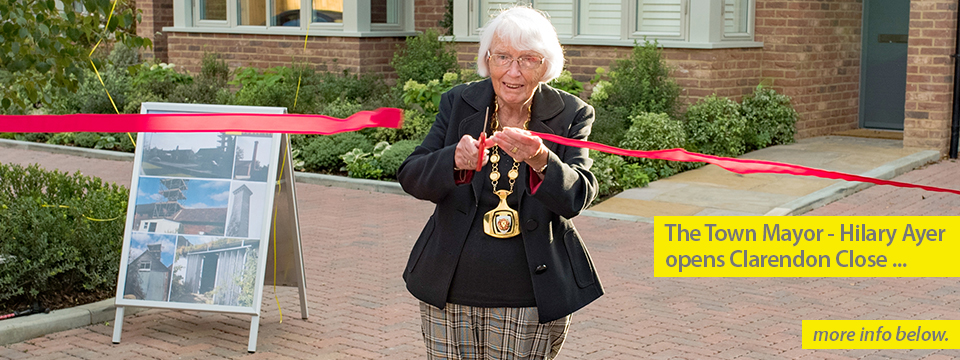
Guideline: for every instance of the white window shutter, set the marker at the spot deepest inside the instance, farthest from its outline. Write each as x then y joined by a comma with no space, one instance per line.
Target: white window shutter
490,8
659,18
561,14
735,16
600,17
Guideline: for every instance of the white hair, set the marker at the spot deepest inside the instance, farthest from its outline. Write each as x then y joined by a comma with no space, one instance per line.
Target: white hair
523,28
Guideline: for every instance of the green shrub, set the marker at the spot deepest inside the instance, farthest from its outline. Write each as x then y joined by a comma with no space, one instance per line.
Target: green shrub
655,132
770,119
392,158
426,97
48,250
614,174
364,165
152,83
715,126
208,87
567,83
341,108
424,57
642,82
272,87
86,139
322,152
415,127
609,125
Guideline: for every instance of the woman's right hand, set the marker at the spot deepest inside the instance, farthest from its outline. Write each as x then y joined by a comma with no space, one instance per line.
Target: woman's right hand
467,154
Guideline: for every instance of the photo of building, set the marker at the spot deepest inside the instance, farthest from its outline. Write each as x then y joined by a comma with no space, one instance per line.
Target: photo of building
251,162
148,273
181,206
212,270
246,209
210,156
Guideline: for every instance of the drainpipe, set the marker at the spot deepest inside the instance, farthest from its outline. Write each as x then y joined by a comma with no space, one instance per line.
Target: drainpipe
955,127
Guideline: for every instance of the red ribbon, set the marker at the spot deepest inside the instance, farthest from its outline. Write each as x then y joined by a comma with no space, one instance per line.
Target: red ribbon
383,117
739,166
261,123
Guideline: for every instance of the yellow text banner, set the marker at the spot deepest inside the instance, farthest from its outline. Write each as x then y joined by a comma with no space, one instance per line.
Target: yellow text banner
806,246
881,334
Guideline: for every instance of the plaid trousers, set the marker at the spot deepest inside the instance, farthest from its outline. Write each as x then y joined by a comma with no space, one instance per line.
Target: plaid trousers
468,332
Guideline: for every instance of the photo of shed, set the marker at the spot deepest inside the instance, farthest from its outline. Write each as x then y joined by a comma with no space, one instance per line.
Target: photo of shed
221,271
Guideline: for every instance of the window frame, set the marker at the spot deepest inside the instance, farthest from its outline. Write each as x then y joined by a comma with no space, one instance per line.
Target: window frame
356,21
701,26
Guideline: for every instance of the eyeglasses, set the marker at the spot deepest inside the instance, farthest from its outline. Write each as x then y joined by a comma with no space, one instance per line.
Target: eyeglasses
526,62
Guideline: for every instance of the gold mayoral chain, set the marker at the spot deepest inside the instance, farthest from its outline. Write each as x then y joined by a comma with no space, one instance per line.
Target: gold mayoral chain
502,222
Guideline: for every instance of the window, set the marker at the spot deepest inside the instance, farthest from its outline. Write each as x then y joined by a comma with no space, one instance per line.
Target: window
144,266
736,18
355,18
674,23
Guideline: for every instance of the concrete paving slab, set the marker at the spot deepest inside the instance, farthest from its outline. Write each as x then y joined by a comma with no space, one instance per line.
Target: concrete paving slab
716,191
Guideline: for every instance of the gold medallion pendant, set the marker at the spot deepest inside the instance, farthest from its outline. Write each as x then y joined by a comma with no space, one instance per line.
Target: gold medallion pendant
501,222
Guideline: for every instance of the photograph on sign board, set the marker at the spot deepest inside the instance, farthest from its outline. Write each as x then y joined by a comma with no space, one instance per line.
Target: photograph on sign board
181,206
251,162
215,270
246,209
149,267
193,155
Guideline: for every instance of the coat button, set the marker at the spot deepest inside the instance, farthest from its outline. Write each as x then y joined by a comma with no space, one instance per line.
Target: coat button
530,225
541,269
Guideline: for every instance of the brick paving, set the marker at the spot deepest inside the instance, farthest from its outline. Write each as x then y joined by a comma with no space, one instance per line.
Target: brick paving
356,244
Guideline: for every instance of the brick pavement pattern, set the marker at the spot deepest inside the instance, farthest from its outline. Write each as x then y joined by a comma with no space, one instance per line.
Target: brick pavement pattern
356,244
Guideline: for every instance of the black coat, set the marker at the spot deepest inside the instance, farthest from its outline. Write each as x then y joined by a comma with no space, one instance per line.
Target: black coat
564,278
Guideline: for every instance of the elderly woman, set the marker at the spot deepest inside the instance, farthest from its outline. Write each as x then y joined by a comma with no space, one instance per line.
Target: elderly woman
499,267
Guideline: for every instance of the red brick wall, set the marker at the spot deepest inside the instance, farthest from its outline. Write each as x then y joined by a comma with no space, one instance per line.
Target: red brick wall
359,55
428,13
156,15
811,53
929,100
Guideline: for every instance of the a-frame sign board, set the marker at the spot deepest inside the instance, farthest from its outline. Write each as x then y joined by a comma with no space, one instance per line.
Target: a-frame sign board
204,208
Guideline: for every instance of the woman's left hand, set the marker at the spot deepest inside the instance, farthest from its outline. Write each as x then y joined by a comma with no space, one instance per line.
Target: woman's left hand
521,145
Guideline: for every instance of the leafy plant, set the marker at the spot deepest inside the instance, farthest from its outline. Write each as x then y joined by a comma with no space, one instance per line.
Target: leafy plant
45,45
208,87
424,57
364,165
50,245
567,83
610,125
614,174
427,96
770,118
655,132
153,82
715,126
415,127
642,82
272,87
322,152
393,156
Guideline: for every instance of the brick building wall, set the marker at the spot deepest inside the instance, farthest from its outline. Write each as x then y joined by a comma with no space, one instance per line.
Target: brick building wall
359,55
156,15
429,13
929,100
811,52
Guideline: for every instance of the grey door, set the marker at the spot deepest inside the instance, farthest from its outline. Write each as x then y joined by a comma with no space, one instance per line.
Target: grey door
883,76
